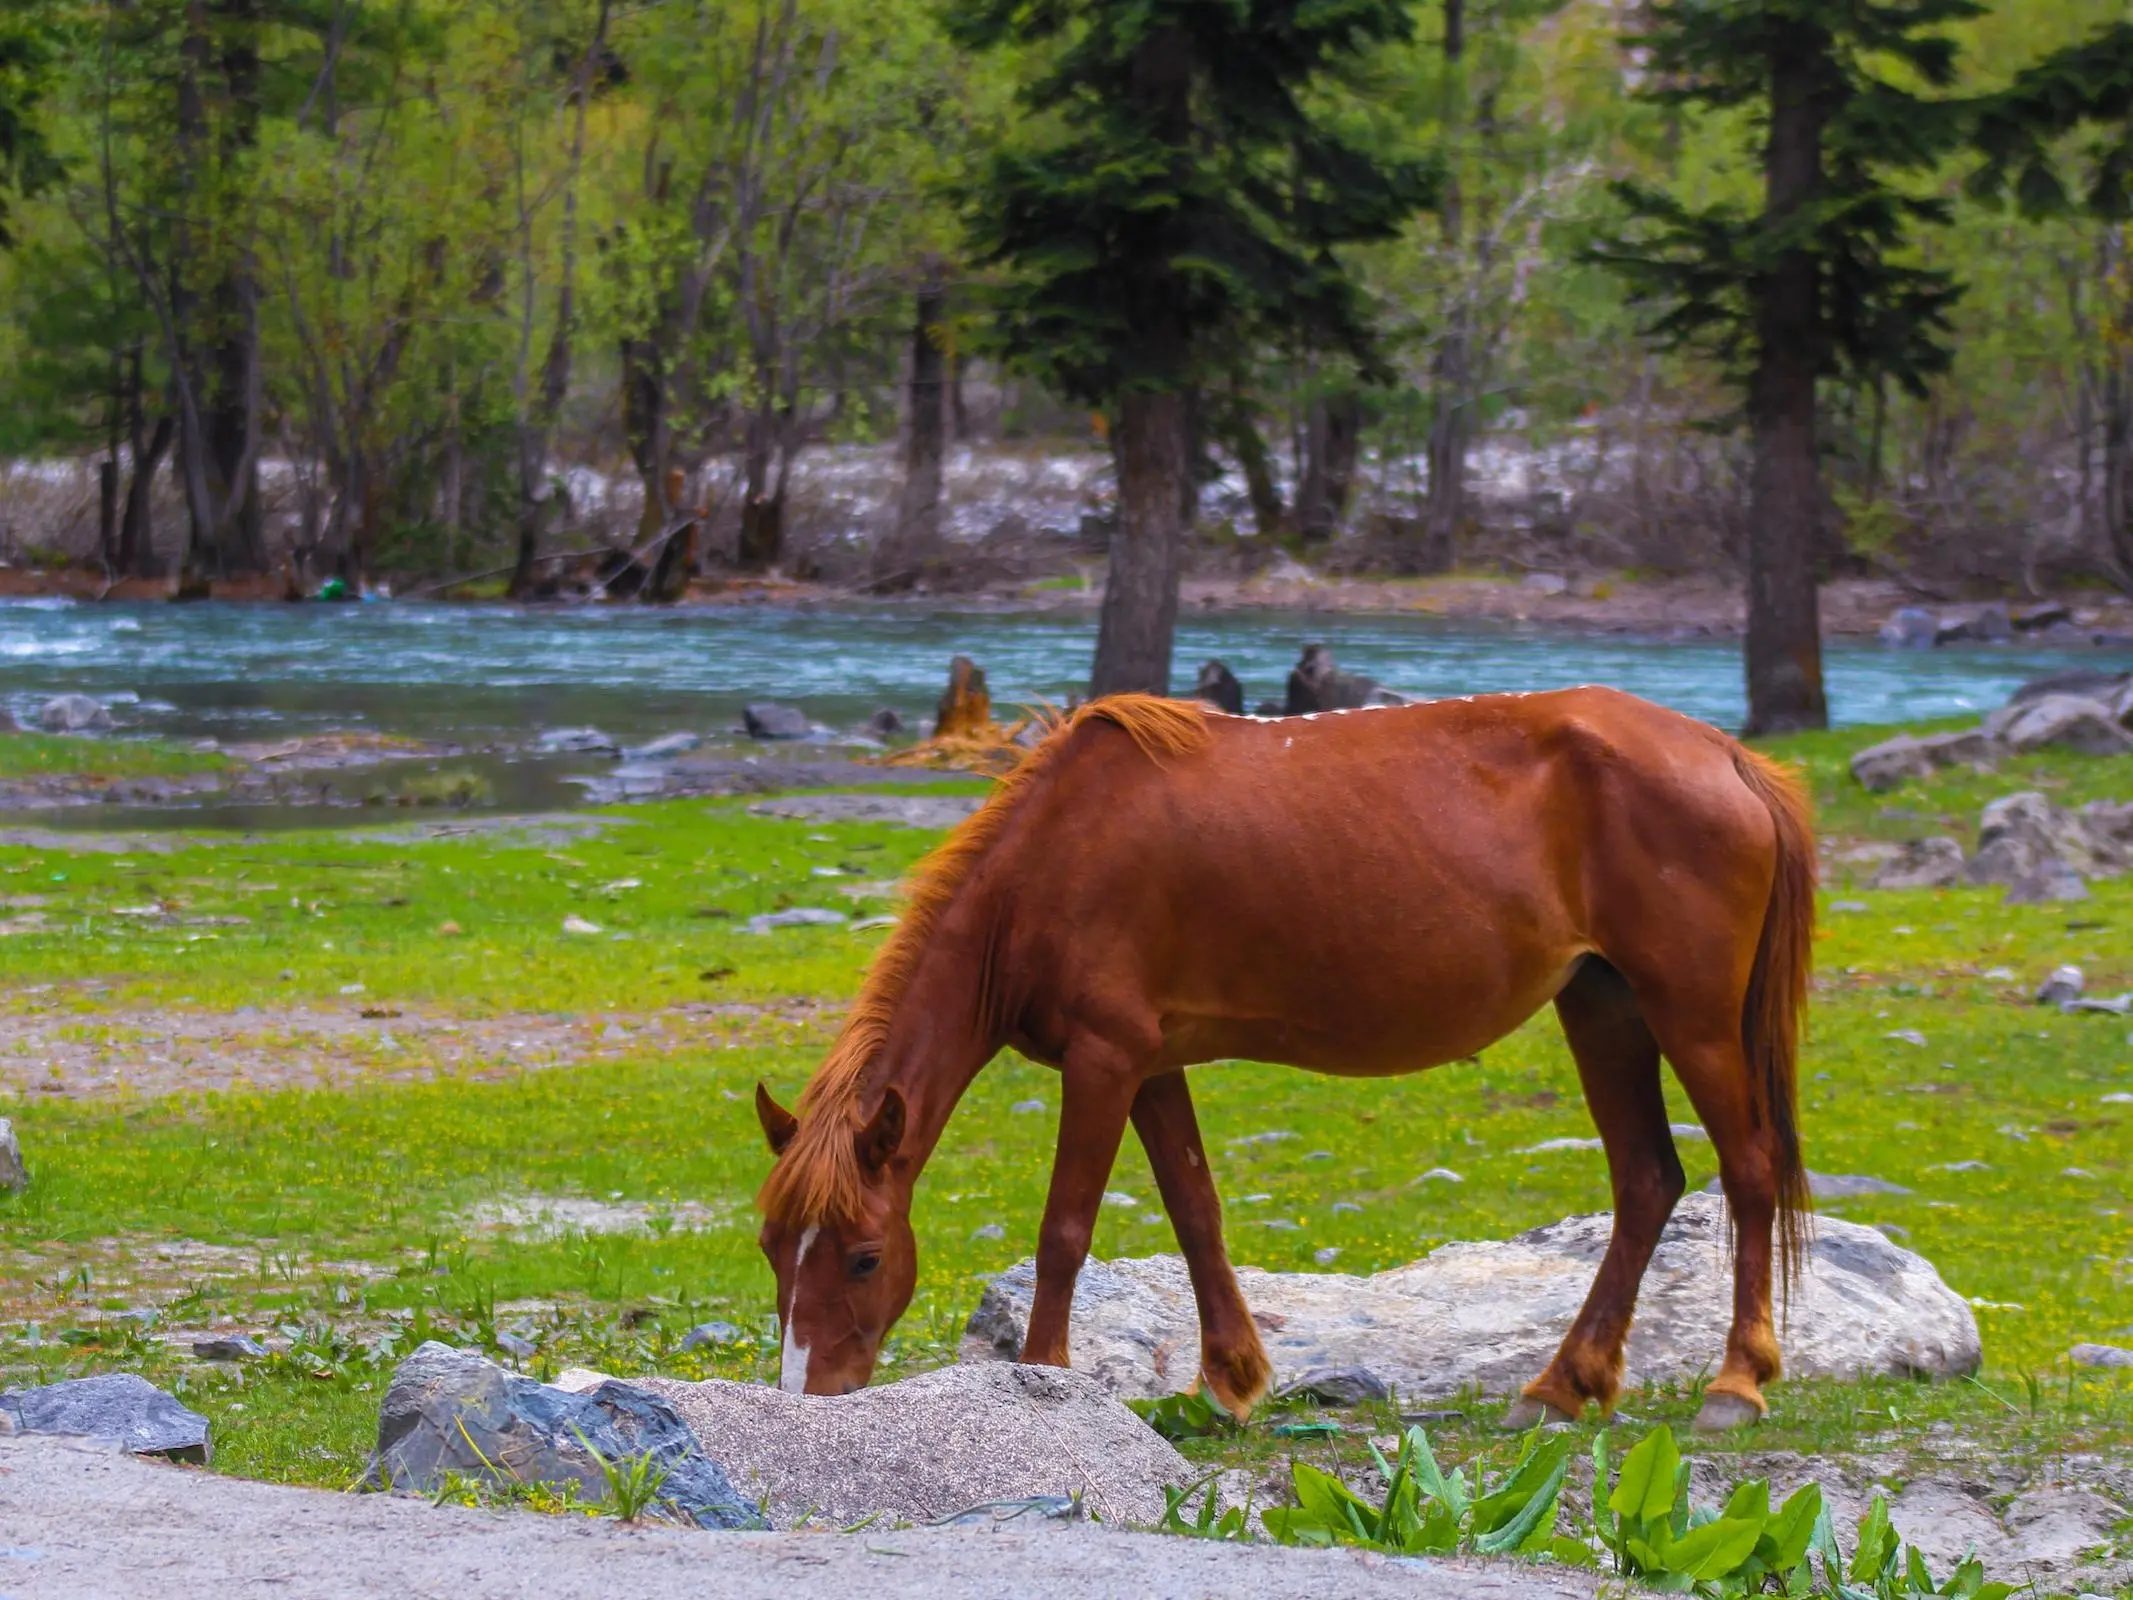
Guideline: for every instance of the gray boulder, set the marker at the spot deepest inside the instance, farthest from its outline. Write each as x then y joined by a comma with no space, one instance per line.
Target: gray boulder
2067,722
1912,628
74,713
2084,682
930,1446
766,719
120,1406
2055,881
14,1175
452,1411
2024,836
1897,761
1924,864
1491,1314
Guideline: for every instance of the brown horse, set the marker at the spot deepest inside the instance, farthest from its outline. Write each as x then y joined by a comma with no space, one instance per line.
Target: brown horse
1360,893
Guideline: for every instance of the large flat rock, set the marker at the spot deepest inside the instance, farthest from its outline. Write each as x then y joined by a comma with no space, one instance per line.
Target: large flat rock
931,1446
1491,1314
88,1524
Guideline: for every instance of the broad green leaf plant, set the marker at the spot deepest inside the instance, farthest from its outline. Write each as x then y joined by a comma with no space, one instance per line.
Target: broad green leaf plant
1644,1523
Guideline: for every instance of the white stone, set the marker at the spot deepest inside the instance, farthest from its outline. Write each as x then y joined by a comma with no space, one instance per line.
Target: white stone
13,1175
1491,1314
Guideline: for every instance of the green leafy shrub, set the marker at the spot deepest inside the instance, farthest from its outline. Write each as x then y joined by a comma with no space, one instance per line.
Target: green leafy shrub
1644,1520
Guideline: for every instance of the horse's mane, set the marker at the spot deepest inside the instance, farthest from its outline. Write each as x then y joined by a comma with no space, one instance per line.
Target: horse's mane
818,1177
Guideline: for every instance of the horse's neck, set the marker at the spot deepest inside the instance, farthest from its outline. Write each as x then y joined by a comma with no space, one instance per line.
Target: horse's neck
940,1036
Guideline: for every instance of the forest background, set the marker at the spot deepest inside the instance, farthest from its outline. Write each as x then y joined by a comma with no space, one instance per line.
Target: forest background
362,287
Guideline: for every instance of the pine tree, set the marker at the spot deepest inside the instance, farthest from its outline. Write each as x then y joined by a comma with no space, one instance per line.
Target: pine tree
1810,286
2025,133
1169,197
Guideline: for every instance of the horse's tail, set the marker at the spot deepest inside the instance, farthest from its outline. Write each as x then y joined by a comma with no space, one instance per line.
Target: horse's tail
1777,993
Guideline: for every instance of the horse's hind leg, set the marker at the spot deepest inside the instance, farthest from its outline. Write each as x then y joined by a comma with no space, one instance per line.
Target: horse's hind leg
1233,1362
1714,1071
1618,1066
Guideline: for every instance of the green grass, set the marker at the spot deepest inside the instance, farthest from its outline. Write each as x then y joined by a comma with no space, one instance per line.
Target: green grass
346,1212
43,755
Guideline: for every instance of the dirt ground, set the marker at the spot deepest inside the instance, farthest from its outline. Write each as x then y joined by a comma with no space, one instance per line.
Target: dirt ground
140,1052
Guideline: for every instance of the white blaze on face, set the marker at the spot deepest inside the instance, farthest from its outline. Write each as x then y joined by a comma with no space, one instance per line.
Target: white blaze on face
792,1372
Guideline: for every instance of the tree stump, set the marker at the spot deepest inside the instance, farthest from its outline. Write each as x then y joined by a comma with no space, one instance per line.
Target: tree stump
965,711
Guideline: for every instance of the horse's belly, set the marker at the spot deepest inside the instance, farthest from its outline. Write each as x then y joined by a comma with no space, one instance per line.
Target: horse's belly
1396,1023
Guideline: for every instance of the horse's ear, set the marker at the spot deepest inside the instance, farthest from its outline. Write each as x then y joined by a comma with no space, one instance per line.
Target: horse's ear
779,1125
877,1142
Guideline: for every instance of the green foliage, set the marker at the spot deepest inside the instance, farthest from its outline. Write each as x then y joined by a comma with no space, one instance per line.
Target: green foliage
1645,1520
1427,1511
1183,1416
1172,192
1704,266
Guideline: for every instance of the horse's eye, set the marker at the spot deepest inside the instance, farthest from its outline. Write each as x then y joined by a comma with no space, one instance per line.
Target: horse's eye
863,1265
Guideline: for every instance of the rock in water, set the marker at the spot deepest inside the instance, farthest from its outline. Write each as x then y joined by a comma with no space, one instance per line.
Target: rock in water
121,1406
1912,628
577,742
1491,1314
1219,687
73,713
765,719
13,1174
450,1410
932,1445
1317,684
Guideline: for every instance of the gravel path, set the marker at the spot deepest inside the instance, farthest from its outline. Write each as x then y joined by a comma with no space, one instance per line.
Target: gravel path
83,1524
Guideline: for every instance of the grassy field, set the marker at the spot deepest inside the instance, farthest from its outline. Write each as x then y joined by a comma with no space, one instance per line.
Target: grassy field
44,755
600,1205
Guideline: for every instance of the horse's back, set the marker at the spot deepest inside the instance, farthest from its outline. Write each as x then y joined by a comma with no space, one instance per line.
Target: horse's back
1311,879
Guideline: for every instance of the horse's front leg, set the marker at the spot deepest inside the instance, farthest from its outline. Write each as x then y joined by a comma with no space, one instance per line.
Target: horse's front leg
1097,1089
1233,1363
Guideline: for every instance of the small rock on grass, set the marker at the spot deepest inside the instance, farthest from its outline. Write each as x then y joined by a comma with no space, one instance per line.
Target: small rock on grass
1337,1386
2064,984
2100,1355
229,1347
13,1174
121,1406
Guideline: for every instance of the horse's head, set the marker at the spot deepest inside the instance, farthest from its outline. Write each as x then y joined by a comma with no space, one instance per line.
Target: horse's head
846,1271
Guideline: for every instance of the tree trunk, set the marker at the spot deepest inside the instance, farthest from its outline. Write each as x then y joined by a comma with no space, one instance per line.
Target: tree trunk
762,538
1241,433
901,557
1331,439
107,512
1140,609
240,543
1784,650
137,545
1450,371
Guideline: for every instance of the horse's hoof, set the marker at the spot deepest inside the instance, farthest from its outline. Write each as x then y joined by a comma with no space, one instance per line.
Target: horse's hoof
1722,1412
1526,1411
